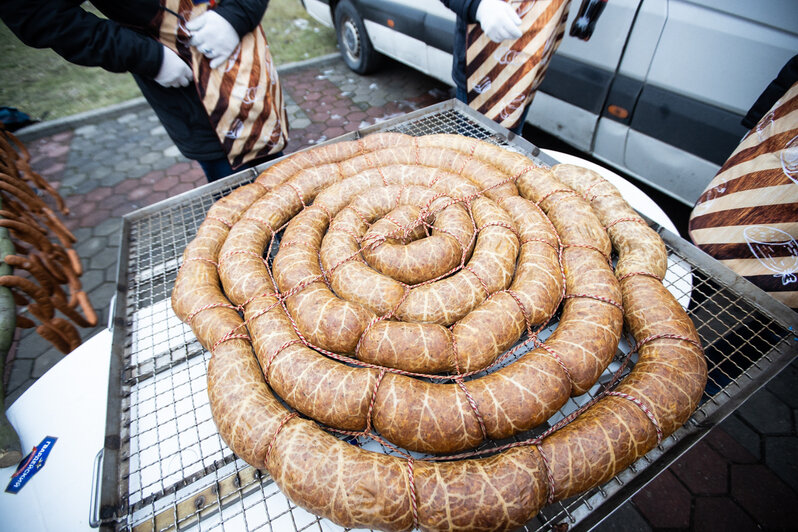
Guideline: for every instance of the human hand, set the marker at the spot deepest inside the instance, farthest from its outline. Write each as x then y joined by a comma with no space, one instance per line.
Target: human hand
213,36
498,20
174,72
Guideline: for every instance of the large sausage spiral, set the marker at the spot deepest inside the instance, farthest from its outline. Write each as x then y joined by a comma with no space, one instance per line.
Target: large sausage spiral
406,267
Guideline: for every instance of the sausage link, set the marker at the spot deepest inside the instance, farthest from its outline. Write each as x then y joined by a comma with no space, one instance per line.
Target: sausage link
357,488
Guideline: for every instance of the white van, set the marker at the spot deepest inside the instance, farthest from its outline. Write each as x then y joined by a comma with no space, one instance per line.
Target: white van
658,91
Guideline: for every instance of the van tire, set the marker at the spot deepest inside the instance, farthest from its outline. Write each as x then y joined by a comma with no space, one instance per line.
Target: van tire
353,41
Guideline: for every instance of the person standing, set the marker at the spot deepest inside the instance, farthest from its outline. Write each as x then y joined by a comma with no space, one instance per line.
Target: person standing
502,50
204,67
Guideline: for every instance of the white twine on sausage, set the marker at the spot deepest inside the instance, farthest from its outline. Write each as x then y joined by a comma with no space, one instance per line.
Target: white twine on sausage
474,407
298,193
203,259
412,482
597,298
632,219
649,414
223,221
549,475
288,417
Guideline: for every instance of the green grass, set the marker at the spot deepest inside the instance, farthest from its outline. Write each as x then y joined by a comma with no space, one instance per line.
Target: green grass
44,85
293,35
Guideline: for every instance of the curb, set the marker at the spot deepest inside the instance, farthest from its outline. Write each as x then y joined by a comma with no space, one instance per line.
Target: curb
58,125
66,123
312,62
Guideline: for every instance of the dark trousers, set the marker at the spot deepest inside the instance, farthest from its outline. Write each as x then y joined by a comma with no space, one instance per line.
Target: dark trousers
216,169
462,94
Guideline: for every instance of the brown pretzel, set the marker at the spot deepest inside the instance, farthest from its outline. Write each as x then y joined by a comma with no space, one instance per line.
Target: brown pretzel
74,261
81,299
54,336
45,262
67,331
42,276
58,228
31,222
19,189
27,233
25,171
43,308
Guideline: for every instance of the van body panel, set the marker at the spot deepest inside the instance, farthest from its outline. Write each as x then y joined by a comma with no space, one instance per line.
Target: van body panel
657,92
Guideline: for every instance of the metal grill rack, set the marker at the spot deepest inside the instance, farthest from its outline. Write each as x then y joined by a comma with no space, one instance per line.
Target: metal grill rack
164,466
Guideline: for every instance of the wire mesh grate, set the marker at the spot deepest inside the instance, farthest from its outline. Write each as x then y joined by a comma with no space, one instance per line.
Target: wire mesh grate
448,122
175,472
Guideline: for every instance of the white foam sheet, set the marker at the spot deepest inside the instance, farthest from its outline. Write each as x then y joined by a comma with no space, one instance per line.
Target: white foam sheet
69,403
172,433
156,330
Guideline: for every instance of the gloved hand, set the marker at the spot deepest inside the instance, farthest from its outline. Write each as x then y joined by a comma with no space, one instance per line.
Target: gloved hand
174,72
498,20
213,36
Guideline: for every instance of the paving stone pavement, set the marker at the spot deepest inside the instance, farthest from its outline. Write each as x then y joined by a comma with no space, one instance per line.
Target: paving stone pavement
742,476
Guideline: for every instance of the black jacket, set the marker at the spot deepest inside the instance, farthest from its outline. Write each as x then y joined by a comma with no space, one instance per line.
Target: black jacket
124,43
466,11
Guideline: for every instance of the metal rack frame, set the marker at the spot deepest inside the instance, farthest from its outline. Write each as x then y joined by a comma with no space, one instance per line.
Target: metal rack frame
164,466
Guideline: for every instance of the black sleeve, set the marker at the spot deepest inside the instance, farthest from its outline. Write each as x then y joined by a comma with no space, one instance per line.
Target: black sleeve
243,15
784,80
465,9
81,37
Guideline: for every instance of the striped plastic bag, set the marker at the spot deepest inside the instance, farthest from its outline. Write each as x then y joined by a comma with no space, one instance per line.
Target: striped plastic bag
502,77
747,217
243,97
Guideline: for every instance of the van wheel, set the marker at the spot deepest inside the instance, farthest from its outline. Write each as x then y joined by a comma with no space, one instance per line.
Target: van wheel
353,41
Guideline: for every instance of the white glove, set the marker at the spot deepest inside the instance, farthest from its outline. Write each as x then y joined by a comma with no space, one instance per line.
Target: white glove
498,20
174,72
213,36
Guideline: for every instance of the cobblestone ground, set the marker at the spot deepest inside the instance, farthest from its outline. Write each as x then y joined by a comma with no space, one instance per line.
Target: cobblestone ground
742,476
